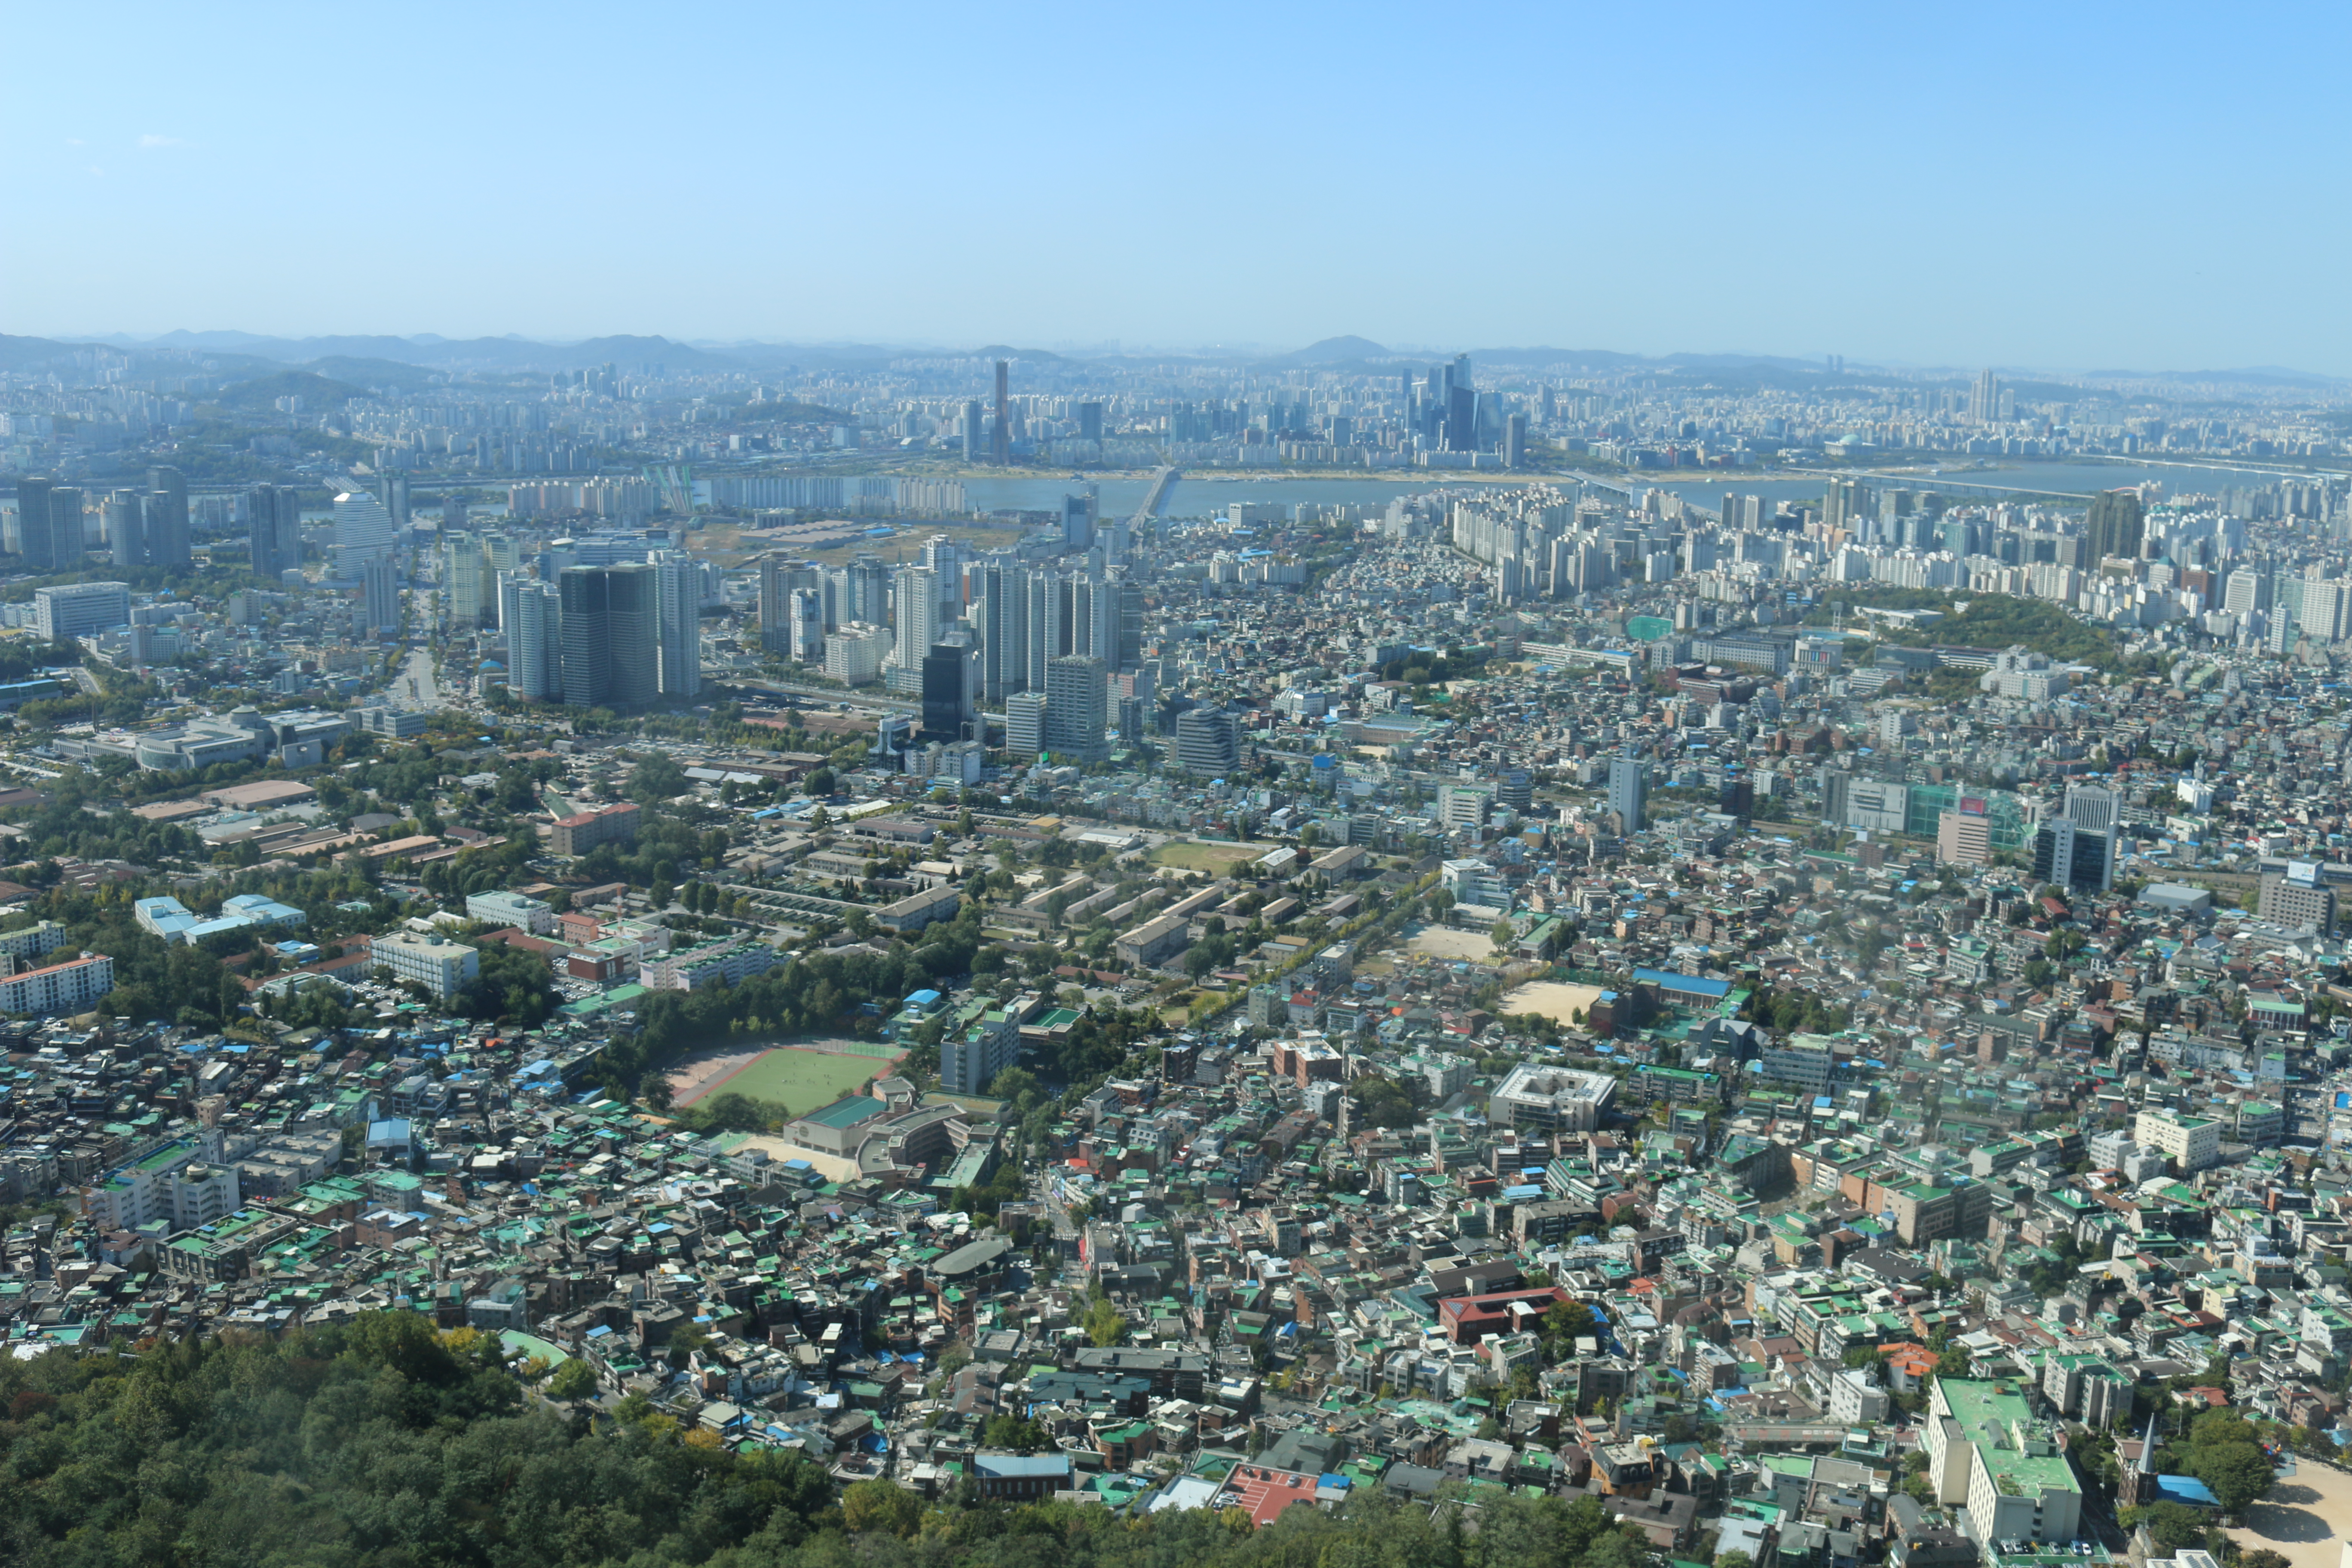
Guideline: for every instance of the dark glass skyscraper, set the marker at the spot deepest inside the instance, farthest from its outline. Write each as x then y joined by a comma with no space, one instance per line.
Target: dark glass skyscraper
167,517
611,615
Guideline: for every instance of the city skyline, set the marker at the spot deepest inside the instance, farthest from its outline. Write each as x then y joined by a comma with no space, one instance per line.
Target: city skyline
1895,194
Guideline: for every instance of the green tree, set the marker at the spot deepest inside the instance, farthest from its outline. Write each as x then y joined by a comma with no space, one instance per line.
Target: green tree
1105,1324
575,1379
880,1508
2238,1473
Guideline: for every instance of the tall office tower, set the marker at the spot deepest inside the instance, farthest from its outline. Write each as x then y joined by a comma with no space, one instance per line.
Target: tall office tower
1984,399
380,591
1205,742
67,541
502,554
125,515
535,642
1550,404
775,604
464,597
1514,441
1078,701
453,513
1090,422
915,600
1078,513
167,517
950,683
632,621
1838,504
363,531
1629,788
974,449
2246,590
396,499
1024,723
587,618
1128,610
33,536
261,507
1461,407
1000,438
2116,525
803,629
679,630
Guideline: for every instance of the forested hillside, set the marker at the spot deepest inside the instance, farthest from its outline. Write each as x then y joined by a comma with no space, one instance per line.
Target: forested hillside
384,1445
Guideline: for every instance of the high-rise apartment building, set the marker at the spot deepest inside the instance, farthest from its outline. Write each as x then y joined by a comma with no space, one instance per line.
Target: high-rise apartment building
1001,437
1984,399
33,536
379,593
914,615
803,626
678,591
124,518
1078,713
2115,525
67,540
1629,791
535,627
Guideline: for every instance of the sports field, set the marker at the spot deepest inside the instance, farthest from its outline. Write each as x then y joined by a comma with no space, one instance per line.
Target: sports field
798,1079
1213,859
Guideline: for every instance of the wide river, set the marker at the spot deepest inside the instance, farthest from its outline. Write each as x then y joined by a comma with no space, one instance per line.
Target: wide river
1208,494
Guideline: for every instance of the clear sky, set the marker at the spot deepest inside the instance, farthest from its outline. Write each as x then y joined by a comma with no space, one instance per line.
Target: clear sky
2060,187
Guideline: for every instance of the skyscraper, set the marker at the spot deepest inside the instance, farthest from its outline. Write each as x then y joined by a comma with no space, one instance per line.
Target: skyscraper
585,610
395,499
464,583
678,589
1205,742
453,513
1629,789
915,599
950,679
1514,441
380,591
363,529
66,538
1079,512
2115,525
1024,723
1000,438
126,528
34,539
167,517
803,626
973,424
274,530
1984,399
1077,708
535,642
633,620
1002,610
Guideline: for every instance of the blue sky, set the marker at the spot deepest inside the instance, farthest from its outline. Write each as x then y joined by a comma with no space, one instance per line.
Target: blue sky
2079,187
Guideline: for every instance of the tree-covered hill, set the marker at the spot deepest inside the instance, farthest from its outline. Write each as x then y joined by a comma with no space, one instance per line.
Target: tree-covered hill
384,1445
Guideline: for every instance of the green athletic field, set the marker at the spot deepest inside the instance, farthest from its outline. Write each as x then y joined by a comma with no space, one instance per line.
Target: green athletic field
802,1080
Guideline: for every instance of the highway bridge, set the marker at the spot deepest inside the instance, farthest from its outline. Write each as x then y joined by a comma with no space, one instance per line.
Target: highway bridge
1156,495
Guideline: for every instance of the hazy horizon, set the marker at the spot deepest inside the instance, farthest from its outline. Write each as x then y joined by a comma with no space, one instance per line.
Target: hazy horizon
2134,190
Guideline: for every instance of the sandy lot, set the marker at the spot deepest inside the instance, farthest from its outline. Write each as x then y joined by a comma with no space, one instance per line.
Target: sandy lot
2307,1518
1437,941
1557,1001
694,1076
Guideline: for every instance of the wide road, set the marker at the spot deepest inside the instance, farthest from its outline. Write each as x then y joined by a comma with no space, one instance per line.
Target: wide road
825,694
415,686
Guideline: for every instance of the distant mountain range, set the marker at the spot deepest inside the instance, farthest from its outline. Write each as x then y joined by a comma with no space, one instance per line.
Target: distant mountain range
410,363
